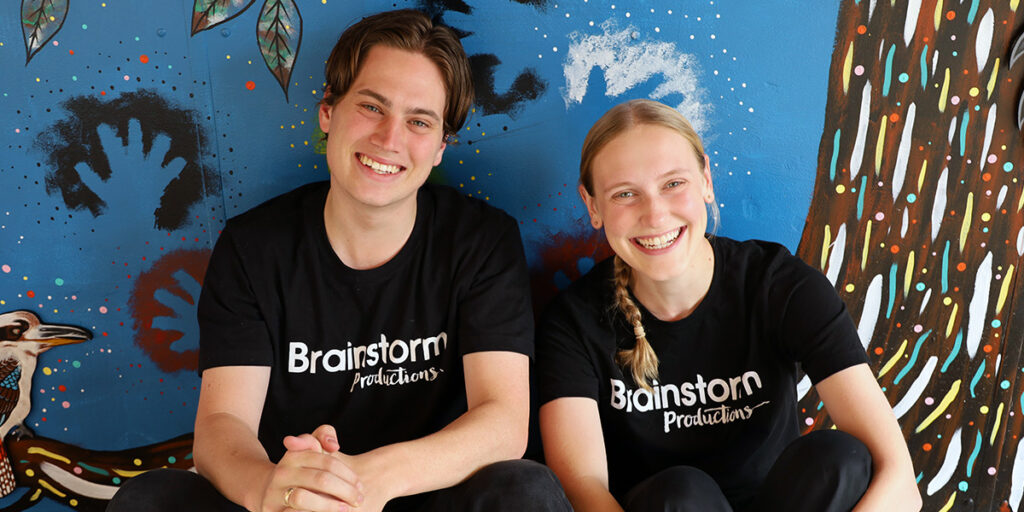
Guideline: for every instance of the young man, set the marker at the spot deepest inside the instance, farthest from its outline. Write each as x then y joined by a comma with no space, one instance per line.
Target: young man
368,339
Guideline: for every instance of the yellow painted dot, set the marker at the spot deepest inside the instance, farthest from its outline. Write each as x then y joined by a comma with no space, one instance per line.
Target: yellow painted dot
478,151
282,127
984,409
314,91
472,178
985,217
228,57
293,127
840,188
305,143
323,2
315,167
460,162
37,79
24,278
137,462
73,502
47,370
973,92
850,287
462,185
2,302
250,62
292,145
947,301
487,198
302,122
924,271
55,311
467,128
483,133
52,18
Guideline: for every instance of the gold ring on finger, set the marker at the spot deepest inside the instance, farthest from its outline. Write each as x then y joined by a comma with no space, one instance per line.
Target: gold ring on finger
288,496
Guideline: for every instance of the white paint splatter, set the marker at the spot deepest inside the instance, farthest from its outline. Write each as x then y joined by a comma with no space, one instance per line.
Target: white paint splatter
916,389
77,484
1020,242
948,464
906,224
910,24
990,124
835,259
984,41
979,304
1001,197
1017,478
903,154
924,301
939,206
627,63
857,157
869,315
803,387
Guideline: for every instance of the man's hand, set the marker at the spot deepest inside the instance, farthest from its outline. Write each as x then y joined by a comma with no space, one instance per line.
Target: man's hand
369,472
309,477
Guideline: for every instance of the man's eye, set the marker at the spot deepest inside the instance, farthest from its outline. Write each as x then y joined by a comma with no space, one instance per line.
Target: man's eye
674,184
420,124
624,195
372,108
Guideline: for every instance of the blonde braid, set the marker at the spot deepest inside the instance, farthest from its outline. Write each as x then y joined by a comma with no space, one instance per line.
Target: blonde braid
641,360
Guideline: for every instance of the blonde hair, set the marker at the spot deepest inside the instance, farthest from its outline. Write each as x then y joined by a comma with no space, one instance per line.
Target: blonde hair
641,359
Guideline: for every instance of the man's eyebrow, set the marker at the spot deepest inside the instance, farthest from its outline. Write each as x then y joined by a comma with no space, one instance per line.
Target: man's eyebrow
387,103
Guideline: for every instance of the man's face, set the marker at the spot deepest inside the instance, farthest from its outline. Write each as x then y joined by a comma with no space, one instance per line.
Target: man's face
387,132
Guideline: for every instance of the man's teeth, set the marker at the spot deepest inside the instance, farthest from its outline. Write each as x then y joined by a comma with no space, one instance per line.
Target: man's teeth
378,167
659,242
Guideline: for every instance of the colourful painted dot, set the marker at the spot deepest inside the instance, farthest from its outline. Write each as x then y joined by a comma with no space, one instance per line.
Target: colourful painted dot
137,462
74,78
103,310
250,85
920,287
76,364
955,100
992,158
911,198
85,27
62,388
991,471
850,288
809,421
961,266
903,78
65,404
862,29
1005,384
996,323
962,486
6,269
58,282
30,473
47,370
77,470
984,409
840,188
116,480
947,301
126,78
30,294
1008,167
859,70
172,459
985,217
973,91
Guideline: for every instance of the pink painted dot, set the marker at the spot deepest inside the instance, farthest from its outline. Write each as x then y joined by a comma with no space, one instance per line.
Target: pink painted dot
55,43
77,470
929,401
918,328
74,297
6,269
991,471
879,216
859,70
126,77
809,421
955,100
42,390
103,309
17,130
992,159
65,404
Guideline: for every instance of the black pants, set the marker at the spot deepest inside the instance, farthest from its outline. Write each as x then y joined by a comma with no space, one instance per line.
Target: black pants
823,471
513,485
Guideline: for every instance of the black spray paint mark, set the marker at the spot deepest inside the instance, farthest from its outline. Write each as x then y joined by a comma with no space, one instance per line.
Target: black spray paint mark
528,86
75,140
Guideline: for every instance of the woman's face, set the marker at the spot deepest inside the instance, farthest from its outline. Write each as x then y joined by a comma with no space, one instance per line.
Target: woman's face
650,191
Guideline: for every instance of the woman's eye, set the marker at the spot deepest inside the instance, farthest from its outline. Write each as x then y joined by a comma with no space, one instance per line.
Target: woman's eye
624,195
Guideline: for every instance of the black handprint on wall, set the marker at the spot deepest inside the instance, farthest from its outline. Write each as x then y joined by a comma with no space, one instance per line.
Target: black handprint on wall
79,161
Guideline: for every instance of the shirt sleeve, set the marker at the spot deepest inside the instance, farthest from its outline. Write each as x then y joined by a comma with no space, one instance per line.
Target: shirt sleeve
564,368
232,331
815,328
495,312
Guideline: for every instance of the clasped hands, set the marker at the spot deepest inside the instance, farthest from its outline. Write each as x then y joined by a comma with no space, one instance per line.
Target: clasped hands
315,476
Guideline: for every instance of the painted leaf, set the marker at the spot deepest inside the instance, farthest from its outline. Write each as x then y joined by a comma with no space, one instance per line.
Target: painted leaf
207,14
40,21
279,33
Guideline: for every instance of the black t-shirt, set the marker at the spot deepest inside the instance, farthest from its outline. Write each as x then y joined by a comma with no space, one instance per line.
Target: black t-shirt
725,400
377,353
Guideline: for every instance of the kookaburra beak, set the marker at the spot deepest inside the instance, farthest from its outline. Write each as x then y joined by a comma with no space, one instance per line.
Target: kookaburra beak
55,335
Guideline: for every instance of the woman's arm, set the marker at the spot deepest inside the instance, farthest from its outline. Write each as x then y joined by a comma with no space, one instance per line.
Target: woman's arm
857,405
574,449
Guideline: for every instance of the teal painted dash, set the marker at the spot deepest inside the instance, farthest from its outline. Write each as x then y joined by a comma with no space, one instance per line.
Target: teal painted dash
835,155
94,469
860,196
955,351
974,454
188,457
973,12
892,290
919,477
924,67
977,377
888,70
945,268
913,357
963,133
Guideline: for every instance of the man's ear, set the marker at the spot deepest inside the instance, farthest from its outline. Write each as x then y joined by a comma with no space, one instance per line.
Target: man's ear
440,153
595,215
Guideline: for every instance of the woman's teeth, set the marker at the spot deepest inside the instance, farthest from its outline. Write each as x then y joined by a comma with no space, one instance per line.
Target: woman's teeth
378,167
659,242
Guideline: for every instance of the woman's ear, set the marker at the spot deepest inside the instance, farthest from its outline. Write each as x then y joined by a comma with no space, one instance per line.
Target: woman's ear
709,187
595,215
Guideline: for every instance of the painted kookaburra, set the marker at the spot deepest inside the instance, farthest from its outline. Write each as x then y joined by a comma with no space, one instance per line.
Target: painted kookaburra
22,338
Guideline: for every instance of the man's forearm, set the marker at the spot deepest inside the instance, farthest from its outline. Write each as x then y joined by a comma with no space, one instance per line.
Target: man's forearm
489,432
230,456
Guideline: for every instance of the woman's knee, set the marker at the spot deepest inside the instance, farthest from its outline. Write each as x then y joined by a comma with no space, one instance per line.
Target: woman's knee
169,490
513,485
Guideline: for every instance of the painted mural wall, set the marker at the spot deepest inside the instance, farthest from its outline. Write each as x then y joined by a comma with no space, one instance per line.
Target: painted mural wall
880,140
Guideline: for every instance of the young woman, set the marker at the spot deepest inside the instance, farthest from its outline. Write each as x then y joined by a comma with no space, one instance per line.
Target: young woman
668,373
